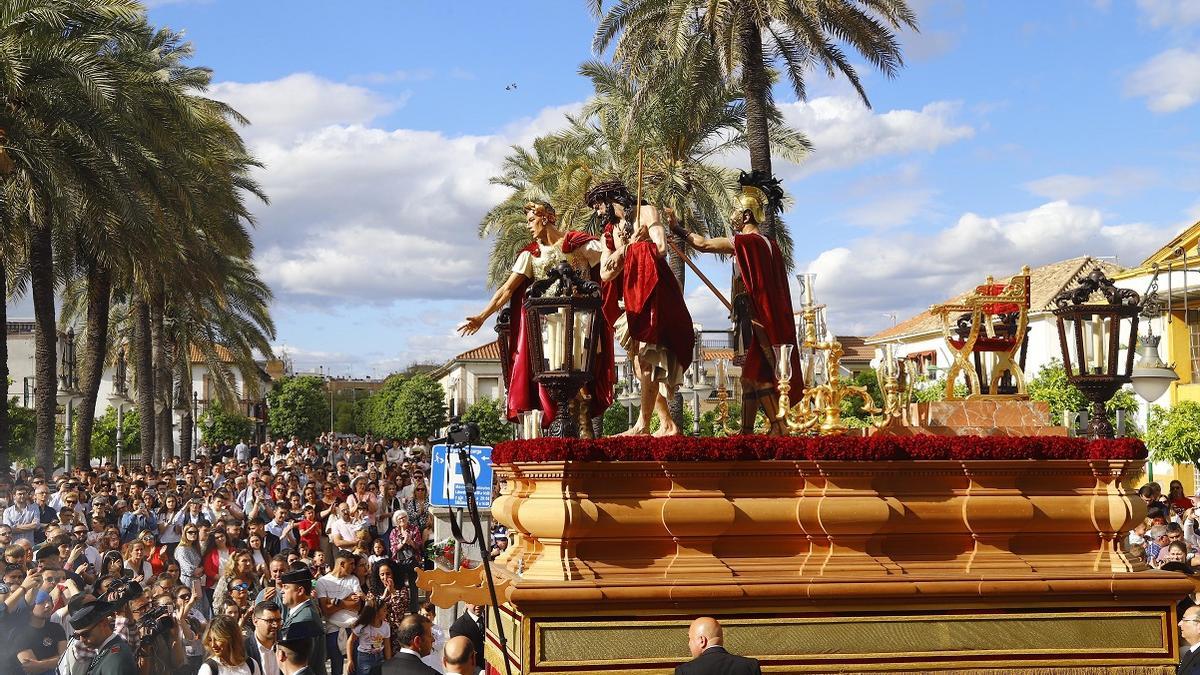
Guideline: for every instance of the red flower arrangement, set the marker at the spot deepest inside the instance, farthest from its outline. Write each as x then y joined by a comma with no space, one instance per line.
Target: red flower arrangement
840,448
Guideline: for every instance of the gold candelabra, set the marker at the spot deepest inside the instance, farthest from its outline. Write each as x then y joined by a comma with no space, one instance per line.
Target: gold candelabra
819,410
722,426
896,383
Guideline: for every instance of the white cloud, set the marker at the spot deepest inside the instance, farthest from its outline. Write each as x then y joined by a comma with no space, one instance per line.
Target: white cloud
905,273
844,132
362,214
1169,81
300,103
1115,183
1170,13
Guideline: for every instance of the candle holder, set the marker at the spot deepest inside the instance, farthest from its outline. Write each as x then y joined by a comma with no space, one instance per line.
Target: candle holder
896,383
819,409
723,388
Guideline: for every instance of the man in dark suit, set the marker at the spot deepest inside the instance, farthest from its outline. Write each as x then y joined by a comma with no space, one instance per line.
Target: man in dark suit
471,625
1189,628
709,657
415,633
260,643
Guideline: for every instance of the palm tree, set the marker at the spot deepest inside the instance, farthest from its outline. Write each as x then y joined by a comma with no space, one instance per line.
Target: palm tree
57,85
751,36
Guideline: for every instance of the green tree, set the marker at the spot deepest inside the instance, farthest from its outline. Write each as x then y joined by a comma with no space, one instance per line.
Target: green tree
852,407
616,419
1173,434
299,407
104,433
750,37
420,409
378,414
218,424
22,423
1051,385
489,413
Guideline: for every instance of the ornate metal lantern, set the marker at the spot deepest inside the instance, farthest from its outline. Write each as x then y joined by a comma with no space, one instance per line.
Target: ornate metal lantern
68,379
561,315
503,338
1097,341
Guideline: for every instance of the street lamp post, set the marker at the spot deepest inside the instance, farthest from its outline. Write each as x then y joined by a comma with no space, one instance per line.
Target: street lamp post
68,386
195,425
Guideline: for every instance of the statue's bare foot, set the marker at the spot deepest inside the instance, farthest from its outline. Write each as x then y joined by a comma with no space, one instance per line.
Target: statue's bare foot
633,431
665,431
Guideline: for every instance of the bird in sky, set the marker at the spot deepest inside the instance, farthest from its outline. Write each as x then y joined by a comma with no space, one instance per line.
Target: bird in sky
511,87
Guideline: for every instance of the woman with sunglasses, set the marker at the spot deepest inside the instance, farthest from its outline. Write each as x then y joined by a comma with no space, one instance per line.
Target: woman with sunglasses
156,553
239,569
189,557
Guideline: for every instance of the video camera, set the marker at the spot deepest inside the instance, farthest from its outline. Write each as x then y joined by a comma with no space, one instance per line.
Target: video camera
460,433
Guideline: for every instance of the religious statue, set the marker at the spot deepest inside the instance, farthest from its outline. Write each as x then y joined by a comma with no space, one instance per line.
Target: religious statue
549,247
643,300
120,386
763,274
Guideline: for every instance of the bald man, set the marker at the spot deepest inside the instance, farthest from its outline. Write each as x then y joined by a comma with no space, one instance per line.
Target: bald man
1189,628
458,656
710,658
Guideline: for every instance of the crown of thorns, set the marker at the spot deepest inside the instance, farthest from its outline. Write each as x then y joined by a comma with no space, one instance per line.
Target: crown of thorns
609,191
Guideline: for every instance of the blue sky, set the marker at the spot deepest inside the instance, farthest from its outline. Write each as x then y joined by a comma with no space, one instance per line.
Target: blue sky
1017,133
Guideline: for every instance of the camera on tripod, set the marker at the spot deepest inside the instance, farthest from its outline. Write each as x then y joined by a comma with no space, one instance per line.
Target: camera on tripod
460,433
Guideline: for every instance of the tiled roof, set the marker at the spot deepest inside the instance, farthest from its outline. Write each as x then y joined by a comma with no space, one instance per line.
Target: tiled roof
196,356
487,352
855,348
1044,283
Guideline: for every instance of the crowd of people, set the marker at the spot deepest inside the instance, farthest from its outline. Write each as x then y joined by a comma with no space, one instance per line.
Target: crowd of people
238,562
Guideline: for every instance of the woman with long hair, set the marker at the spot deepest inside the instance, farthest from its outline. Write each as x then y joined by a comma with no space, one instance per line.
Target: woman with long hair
260,556
1177,500
156,553
188,554
216,555
225,649
384,586
240,568
135,560
170,523
360,497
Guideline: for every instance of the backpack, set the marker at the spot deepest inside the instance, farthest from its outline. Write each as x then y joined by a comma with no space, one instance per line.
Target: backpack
255,668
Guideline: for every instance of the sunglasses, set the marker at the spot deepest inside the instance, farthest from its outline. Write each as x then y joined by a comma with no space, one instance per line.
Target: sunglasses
184,596
241,587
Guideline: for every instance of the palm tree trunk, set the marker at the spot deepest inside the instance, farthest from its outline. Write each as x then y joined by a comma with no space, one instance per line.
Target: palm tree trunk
4,373
143,372
45,350
756,89
183,402
162,382
95,348
675,262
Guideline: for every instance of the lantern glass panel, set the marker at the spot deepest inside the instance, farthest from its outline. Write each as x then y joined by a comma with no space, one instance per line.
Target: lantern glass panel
554,337
582,347
1096,343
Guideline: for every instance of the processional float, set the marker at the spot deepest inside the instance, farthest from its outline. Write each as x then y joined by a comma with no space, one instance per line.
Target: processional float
917,545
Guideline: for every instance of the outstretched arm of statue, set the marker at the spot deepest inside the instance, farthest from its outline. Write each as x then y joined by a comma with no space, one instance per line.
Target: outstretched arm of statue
501,296
698,242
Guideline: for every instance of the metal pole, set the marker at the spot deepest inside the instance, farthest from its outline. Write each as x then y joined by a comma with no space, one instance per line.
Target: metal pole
67,437
464,458
120,431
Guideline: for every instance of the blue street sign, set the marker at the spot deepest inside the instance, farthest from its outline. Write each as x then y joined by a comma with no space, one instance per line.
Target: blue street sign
446,478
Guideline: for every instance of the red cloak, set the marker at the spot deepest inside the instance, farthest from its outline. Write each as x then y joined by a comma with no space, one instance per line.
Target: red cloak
654,305
523,392
765,276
